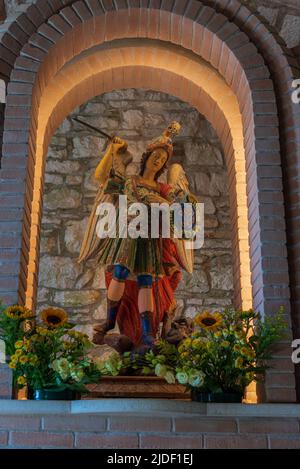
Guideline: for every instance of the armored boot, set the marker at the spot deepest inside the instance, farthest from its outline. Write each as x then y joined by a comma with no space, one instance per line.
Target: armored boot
109,323
147,340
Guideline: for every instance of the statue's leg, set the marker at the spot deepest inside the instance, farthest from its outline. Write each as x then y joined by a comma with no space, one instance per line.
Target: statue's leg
145,305
114,296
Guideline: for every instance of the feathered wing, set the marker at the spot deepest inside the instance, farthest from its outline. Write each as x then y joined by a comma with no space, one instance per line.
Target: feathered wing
112,161
91,242
186,256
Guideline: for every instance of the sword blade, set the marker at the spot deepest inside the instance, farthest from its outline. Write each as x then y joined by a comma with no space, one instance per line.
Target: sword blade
104,134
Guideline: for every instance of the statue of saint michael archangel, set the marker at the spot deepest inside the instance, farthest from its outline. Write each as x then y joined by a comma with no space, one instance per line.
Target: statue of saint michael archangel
142,271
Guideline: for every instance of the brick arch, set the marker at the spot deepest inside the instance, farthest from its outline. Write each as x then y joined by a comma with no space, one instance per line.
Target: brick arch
200,85
210,36
51,58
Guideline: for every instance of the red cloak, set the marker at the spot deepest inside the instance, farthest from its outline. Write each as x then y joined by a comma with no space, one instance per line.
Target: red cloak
128,318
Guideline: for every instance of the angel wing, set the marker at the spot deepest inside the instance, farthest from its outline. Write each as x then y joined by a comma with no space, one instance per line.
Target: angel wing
111,169
91,242
178,180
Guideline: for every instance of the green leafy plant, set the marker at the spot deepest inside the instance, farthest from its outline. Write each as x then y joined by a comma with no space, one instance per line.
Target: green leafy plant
227,352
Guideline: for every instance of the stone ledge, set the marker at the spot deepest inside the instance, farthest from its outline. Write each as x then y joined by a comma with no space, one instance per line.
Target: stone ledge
147,406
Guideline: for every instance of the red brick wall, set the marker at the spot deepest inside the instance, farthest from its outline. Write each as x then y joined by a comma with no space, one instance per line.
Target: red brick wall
128,431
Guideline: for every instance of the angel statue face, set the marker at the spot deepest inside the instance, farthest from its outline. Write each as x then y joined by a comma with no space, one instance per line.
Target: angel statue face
157,159
154,162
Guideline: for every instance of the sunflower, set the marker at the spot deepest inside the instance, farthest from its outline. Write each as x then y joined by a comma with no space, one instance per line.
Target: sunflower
209,321
54,317
18,312
19,344
21,380
23,359
239,363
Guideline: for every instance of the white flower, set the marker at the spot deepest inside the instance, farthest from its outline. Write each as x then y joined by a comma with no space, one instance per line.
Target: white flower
182,377
169,377
61,366
160,370
196,379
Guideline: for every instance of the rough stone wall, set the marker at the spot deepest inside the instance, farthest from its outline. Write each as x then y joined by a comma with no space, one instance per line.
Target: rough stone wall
137,116
284,15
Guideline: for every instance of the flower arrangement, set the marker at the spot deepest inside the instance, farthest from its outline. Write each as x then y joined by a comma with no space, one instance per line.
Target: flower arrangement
225,353
160,362
14,322
110,362
49,355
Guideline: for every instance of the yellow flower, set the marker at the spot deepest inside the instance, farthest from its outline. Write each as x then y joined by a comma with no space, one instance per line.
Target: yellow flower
187,342
77,335
54,317
42,331
18,353
18,312
199,342
225,343
21,380
23,359
209,321
33,360
67,345
12,365
247,352
26,345
237,348
19,344
238,362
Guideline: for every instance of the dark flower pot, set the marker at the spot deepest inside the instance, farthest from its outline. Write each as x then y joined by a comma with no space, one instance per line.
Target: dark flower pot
53,395
216,397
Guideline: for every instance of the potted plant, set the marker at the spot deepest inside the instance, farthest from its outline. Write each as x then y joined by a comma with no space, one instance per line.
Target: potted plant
52,359
226,352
